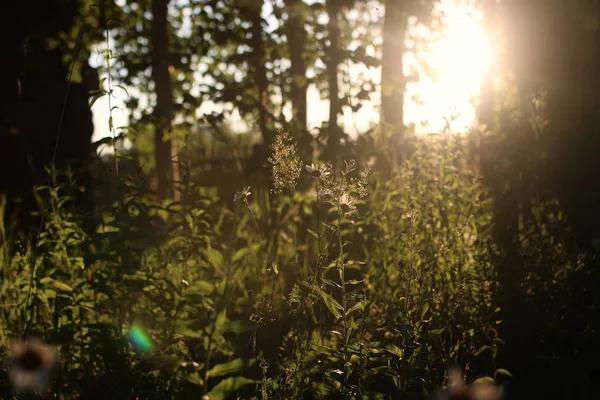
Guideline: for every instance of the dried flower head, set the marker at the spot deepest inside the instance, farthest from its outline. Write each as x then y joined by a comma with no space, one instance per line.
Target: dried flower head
343,190
263,310
31,363
286,164
360,184
243,194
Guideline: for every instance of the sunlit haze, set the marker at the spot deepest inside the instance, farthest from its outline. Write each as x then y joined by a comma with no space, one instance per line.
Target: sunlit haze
460,60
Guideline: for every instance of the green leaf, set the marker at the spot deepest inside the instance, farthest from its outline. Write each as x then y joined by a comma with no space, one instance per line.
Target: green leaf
354,281
228,386
240,326
123,89
485,379
331,283
105,140
214,258
188,329
195,379
57,284
221,320
436,332
424,309
201,288
502,371
414,356
125,128
482,349
321,349
395,350
360,306
321,388
95,98
332,304
230,367
315,234
241,253
375,371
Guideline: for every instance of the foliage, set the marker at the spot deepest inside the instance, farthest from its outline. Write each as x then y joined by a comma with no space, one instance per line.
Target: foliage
359,278
352,287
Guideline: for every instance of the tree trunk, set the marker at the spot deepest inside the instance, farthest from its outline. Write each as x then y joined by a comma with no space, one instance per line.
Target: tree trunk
296,39
486,107
253,11
392,74
335,59
33,85
163,112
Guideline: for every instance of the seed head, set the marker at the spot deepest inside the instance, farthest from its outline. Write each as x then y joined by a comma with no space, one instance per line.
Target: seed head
286,164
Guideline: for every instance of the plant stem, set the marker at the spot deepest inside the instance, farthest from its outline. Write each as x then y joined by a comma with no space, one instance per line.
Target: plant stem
318,221
343,282
109,92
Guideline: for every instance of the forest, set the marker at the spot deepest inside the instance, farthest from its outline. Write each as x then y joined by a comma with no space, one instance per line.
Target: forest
300,199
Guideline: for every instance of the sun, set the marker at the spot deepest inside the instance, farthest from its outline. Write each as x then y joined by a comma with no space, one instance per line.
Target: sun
460,59
463,58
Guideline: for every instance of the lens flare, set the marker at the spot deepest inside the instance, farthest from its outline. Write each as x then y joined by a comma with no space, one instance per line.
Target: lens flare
139,339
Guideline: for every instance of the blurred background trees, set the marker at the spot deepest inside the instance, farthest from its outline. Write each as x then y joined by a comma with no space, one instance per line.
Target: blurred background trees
190,73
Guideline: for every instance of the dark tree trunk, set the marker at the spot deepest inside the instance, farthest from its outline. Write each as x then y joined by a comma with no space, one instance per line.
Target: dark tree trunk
296,39
392,74
547,320
253,11
164,97
34,84
335,59
492,32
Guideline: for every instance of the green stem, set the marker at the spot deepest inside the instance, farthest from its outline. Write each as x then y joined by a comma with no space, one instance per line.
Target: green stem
262,236
213,328
343,283
318,221
109,91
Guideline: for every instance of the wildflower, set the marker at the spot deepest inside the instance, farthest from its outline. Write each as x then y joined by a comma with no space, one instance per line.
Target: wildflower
286,164
346,202
264,364
242,195
30,365
318,172
361,183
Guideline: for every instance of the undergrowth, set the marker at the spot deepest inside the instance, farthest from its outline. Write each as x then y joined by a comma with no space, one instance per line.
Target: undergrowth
356,286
